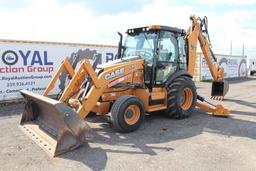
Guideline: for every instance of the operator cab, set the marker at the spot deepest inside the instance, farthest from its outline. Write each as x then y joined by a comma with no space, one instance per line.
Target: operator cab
161,47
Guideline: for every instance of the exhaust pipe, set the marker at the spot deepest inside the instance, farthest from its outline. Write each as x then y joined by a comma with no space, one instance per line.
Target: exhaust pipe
56,127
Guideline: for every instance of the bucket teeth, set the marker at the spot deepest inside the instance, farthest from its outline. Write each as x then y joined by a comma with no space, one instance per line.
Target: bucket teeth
219,98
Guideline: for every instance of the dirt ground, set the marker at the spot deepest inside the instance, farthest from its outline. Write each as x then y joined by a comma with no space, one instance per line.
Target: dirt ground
201,142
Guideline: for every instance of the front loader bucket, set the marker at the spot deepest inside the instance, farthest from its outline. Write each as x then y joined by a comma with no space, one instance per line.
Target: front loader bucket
220,88
56,127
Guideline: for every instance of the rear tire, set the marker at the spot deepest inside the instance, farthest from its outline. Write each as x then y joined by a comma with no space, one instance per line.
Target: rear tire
127,113
181,99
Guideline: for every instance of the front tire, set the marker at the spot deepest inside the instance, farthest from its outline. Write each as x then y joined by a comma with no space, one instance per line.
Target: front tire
127,113
181,99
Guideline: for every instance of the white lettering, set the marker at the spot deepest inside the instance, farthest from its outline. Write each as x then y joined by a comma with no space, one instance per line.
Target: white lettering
114,74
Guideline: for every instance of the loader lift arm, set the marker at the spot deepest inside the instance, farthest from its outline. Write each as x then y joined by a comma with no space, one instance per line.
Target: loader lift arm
99,82
64,65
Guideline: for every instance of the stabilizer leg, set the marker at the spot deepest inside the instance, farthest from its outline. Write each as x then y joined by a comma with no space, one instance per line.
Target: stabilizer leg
216,110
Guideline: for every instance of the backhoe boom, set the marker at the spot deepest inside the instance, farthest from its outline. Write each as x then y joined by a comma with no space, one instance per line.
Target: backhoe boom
196,33
220,87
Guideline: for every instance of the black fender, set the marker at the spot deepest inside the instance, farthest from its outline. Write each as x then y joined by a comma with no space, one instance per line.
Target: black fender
176,75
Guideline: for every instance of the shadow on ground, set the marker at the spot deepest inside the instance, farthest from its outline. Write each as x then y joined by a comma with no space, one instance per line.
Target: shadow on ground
156,130
243,102
11,109
149,139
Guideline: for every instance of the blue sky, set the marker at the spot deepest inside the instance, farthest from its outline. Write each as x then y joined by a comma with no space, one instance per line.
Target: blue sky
94,21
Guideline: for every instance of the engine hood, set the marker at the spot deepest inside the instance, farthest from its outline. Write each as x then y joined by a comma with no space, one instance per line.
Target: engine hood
118,61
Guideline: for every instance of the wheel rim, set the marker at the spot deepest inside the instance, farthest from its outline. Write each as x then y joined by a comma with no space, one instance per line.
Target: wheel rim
187,99
132,114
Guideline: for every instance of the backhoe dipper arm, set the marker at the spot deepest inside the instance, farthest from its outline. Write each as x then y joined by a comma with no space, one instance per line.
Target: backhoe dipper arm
219,87
195,33
199,31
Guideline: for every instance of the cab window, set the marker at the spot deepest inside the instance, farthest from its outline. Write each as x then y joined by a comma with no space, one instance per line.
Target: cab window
168,55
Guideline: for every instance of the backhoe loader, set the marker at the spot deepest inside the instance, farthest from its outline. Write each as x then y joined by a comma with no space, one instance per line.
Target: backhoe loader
153,72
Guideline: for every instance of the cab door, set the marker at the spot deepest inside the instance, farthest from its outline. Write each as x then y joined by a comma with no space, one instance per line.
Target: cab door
168,55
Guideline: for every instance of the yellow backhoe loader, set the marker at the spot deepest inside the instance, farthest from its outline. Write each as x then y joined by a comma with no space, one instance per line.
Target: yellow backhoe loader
153,72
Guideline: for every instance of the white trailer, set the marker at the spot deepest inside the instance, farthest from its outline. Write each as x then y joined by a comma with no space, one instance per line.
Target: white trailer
31,64
234,66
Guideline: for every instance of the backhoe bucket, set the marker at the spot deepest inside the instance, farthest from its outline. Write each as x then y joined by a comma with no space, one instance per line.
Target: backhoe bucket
219,89
56,127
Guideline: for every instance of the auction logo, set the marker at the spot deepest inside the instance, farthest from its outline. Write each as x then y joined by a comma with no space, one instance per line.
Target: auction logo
31,61
10,57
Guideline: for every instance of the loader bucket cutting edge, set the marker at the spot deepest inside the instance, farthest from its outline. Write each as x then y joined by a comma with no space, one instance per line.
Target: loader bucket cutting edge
56,127
219,88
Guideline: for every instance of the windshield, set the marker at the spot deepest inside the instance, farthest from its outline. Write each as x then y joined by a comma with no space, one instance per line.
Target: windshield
141,44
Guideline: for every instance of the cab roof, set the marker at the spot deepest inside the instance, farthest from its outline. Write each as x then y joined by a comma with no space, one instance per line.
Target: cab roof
156,27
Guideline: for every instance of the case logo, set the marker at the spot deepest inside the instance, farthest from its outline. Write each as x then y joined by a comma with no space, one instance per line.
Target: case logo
114,74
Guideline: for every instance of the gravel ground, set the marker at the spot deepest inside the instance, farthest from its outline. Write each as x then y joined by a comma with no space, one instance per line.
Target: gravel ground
201,142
